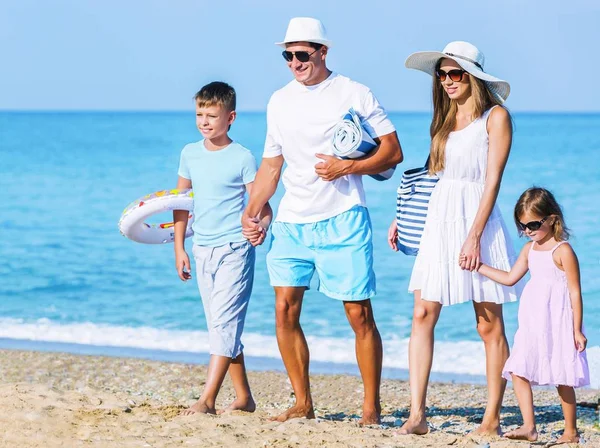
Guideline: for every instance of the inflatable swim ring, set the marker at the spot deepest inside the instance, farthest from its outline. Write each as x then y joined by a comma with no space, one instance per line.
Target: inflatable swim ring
132,223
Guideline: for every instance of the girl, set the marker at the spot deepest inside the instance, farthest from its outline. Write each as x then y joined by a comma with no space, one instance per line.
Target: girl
549,345
471,137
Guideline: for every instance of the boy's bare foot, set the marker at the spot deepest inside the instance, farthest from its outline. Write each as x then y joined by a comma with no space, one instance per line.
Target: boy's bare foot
198,408
410,426
297,411
522,433
239,404
567,437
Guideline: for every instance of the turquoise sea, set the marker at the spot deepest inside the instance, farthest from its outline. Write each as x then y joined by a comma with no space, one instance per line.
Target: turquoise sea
71,282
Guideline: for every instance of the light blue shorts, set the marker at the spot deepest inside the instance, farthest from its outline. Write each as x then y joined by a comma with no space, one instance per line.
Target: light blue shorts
339,249
225,275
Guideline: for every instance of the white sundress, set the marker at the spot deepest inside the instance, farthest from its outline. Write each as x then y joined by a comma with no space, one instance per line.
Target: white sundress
452,208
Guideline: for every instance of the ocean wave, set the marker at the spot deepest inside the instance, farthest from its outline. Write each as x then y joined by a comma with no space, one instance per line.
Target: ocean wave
451,357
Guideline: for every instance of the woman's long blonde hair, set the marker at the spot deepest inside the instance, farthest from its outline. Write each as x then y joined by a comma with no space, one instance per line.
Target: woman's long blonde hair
444,116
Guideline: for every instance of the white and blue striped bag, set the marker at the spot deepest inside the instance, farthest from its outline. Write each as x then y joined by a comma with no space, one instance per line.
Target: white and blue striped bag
412,201
351,141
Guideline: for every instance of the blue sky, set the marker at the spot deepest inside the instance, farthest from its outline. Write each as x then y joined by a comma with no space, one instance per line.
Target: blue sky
154,55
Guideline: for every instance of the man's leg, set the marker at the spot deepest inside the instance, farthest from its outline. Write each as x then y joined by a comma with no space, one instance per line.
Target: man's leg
369,355
293,349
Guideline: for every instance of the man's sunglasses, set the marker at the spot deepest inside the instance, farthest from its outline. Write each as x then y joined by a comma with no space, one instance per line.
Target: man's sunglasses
533,225
302,56
455,75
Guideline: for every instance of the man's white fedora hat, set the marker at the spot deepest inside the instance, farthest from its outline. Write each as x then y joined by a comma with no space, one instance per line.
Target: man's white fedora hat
305,29
468,57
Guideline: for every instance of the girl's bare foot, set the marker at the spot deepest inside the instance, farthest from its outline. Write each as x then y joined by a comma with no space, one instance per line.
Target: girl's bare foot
240,404
567,437
417,426
522,433
298,411
200,407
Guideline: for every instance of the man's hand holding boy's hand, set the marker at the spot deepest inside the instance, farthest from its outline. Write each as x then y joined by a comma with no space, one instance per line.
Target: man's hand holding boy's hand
253,231
182,264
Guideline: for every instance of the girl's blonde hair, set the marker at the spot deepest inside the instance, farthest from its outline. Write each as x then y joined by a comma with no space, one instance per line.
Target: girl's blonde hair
541,202
444,116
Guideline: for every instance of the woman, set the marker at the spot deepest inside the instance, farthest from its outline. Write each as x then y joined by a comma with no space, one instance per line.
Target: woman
471,136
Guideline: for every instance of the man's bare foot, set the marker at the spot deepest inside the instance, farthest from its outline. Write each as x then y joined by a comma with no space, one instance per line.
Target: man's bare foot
522,433
410,426
240,404
199,407
370,418
297,411
488,429
567,437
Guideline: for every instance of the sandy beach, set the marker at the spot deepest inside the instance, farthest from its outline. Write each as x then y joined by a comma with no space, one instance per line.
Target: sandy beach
55,399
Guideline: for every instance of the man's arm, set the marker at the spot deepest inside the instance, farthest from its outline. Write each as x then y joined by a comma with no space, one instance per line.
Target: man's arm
387,155
263,188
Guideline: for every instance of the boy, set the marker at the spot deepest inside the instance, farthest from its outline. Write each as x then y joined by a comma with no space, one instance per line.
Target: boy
220,171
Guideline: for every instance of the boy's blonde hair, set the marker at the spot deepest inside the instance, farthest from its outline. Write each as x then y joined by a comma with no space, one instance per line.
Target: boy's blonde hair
216,93
541,202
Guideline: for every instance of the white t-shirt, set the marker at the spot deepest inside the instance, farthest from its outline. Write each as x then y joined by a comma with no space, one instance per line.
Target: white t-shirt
300,124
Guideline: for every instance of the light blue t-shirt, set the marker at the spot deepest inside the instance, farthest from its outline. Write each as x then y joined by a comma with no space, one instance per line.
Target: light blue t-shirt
218,179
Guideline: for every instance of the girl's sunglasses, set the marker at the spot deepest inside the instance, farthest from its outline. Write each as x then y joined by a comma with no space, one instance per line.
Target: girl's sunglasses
455,75
533,225
302,56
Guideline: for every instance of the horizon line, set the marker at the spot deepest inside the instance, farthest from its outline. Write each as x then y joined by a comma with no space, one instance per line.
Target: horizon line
263,111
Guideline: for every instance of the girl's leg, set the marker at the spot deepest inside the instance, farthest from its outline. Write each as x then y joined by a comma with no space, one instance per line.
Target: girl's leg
490,325
243,397
527,431
420,357
569,407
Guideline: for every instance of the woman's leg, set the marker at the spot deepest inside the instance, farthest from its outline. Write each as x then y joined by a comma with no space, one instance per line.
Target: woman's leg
490,326
420,357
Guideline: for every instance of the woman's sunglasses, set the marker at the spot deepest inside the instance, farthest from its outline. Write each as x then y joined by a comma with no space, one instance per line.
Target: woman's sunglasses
455,75
302,56
532,225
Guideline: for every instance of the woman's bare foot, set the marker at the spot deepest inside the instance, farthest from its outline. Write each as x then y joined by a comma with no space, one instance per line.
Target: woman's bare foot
522,433
567,437
200,407
416,426
488,429
240,404
298,411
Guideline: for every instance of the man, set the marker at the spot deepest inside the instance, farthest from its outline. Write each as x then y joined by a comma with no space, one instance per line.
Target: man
322,222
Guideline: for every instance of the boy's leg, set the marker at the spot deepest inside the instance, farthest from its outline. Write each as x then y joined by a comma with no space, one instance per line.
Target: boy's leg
231,272
243,397
527,430
569,407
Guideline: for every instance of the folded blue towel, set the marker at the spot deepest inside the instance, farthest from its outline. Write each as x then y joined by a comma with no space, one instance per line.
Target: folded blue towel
351,141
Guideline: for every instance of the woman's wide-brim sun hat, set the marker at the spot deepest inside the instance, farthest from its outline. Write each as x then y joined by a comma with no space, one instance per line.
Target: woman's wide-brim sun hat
305,29
468,57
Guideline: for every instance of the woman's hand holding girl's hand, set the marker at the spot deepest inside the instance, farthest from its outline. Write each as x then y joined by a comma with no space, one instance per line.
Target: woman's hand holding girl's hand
469,254
580,341
393,236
